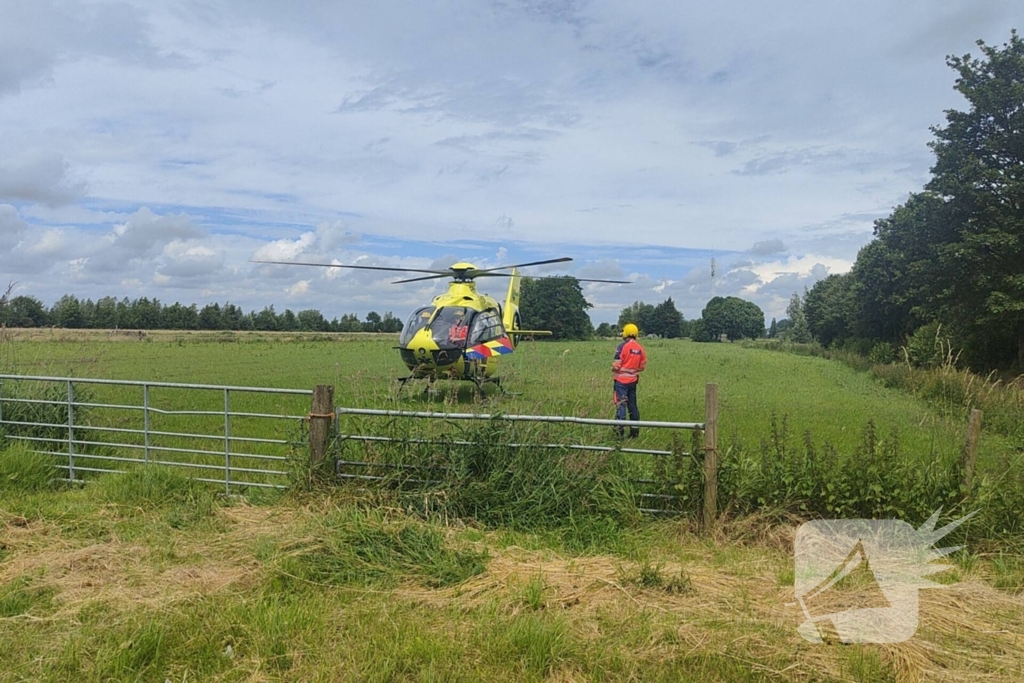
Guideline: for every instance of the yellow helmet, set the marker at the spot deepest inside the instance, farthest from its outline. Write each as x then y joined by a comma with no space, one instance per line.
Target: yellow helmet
629,330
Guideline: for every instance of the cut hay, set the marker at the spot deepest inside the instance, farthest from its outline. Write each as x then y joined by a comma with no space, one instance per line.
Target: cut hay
967,630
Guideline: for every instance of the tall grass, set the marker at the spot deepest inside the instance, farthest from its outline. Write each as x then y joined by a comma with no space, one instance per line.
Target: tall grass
353,545
937,378
24,471
500,473
155,488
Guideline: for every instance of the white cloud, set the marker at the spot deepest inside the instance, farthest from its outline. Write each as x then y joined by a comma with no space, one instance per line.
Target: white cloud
297,289
11,227
332,133
144,231
285,250
189,260
802,266
50,242
41,178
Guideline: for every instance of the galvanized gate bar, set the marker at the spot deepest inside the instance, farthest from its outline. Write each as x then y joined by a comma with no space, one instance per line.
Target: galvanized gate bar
522,418
81,454
458,442
170,385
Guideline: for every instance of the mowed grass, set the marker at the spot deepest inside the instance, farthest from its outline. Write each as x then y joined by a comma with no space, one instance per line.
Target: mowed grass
831,402
145,577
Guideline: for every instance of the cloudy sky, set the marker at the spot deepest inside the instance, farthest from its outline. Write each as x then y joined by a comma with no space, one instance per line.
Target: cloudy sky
155,148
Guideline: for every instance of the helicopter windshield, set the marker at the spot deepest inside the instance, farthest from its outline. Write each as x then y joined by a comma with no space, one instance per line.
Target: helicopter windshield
450,327
417,321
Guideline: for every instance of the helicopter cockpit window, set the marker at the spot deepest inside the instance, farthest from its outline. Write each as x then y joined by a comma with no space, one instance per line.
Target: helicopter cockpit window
486,327
450,327
417,321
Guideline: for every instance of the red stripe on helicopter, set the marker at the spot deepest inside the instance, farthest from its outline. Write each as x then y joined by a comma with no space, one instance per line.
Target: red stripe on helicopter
487,349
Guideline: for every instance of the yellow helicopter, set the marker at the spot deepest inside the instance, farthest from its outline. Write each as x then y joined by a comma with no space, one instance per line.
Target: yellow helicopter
462,334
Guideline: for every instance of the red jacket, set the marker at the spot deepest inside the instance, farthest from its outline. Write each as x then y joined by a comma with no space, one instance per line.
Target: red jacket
630,360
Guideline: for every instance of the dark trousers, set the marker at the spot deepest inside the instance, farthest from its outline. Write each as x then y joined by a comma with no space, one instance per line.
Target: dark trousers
625,399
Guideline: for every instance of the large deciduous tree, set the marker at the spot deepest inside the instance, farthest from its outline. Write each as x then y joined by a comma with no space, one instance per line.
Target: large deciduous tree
638,313
666,320
26,311
798,330
731,316
953,254
828,309
556,304
979,173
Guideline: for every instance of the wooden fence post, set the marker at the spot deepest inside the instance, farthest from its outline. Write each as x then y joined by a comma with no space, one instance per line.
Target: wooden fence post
321,417
970,453
710,507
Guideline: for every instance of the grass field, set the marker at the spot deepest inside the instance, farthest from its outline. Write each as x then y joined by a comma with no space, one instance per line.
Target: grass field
829,400
149,576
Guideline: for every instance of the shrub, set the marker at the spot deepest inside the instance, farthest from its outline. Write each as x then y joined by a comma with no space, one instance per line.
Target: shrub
877,480
883,353
926,347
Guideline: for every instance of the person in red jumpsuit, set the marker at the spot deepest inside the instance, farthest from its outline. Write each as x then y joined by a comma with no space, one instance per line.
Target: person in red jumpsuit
630,361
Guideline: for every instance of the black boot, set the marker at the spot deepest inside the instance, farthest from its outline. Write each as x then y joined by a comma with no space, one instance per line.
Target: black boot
634,432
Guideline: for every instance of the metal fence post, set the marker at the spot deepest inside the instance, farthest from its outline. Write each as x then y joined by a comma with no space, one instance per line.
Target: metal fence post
71,431
227,441
710,508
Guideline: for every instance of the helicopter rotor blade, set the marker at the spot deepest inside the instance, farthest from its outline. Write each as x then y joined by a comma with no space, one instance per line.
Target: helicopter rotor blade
521,265
552,277
437,273
448,272
439,276
578,279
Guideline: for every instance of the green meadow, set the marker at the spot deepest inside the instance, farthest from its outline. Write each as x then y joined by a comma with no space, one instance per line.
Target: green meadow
828,400
548,577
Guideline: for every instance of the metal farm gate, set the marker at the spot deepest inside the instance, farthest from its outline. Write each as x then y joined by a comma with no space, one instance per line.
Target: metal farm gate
242,437
658,497
235,436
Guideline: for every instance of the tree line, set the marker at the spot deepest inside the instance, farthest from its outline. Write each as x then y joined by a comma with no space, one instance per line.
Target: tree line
948,264
143,313
554,304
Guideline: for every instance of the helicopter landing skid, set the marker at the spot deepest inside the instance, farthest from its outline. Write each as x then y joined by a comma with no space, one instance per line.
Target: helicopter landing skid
402,381
479,382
